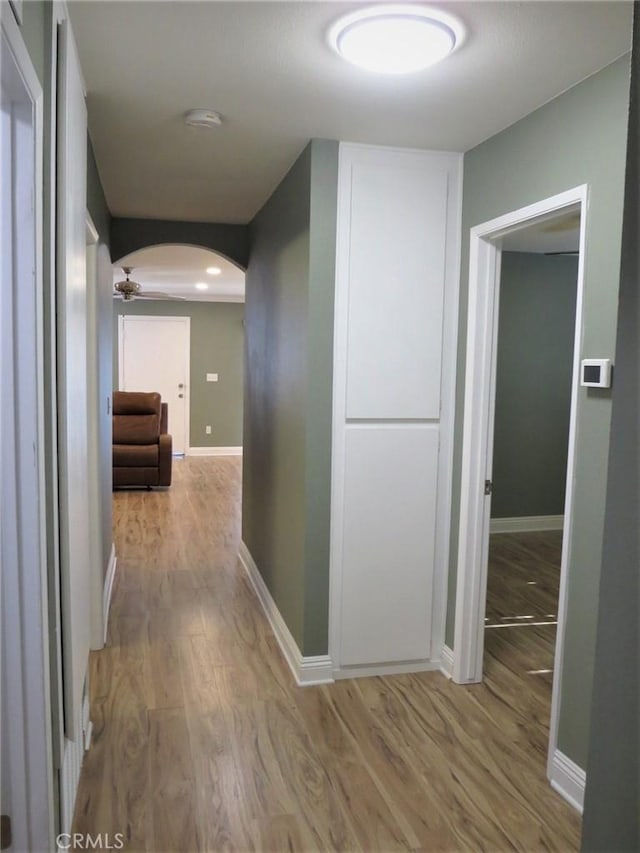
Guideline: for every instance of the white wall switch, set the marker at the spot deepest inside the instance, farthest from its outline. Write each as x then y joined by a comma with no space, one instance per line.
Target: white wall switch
212,377
207,429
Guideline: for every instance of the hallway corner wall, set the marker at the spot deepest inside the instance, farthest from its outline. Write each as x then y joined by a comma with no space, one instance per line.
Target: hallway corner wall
288,391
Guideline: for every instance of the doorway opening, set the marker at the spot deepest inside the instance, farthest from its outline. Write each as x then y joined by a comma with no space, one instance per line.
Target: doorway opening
182,335
517,472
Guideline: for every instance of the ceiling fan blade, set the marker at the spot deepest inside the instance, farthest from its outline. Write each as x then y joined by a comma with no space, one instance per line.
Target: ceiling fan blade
156,294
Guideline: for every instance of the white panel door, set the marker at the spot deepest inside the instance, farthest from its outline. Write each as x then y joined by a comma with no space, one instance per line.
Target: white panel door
389,541
397,262
154,356
74,468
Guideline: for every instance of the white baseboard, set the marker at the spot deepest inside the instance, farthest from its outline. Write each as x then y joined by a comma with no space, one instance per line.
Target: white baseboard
373,669
568,779
446,661
214,451
526,524
107,590
306,670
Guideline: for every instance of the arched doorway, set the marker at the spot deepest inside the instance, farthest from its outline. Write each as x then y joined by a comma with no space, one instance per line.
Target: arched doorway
197,296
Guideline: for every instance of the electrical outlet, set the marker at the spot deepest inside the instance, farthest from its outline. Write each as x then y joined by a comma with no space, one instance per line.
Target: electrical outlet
207,429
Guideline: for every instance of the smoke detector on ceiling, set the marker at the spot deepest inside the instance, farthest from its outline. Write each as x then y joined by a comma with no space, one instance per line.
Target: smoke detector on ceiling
203,118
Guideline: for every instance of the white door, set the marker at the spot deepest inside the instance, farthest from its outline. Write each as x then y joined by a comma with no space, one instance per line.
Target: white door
27,776
72,326
154,356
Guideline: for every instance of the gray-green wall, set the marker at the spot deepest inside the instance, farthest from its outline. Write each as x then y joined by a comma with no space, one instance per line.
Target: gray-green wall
578,138
288,387
35,31
217,344
129,235
612,797
533,384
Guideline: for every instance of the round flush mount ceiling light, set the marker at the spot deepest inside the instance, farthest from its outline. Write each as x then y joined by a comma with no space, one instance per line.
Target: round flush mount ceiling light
214,270
201,285
203,118
396,39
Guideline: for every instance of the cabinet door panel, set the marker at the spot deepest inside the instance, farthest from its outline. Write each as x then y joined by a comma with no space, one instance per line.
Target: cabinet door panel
396,288
389,530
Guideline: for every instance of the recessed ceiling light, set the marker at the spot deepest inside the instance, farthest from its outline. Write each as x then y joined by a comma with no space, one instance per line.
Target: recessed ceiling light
203,118
214,270
201,285
396,39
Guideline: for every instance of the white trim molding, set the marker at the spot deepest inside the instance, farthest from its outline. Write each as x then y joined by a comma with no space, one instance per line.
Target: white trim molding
214,451
108,589
316,669
477,443
568,779
526,524
446,661
380,669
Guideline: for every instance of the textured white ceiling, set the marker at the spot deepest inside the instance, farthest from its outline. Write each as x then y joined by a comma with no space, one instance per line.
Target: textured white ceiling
557,234
267,67
176,269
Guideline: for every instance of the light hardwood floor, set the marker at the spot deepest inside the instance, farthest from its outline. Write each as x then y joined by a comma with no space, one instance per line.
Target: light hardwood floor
202,741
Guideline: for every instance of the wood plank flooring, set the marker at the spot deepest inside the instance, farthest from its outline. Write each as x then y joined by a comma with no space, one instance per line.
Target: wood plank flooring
202,741
523,585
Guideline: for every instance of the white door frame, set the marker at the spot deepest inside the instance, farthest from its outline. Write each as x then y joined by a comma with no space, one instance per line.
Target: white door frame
187,391
93,440
477,452
25,623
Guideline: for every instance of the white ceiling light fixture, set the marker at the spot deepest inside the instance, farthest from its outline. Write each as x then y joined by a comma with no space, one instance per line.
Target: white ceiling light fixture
396,39
201,285
207,119
214,270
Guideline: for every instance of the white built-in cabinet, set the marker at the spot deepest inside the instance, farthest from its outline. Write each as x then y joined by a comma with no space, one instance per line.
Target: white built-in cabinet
397,269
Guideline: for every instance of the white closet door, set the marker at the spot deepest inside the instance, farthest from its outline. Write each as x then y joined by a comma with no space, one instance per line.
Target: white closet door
75,552
395,330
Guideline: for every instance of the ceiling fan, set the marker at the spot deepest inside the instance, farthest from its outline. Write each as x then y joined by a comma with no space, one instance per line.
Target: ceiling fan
129,290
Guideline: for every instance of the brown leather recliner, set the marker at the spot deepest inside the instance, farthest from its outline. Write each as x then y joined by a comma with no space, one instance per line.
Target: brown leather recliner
141,446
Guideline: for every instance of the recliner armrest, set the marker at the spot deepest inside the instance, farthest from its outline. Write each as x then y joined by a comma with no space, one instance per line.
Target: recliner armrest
165,447
164,418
